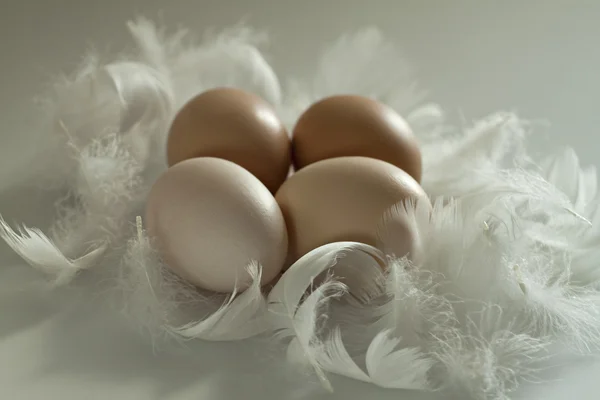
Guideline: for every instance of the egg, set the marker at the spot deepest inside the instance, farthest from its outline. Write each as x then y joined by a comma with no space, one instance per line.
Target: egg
210,218
234,125
347,125
344,199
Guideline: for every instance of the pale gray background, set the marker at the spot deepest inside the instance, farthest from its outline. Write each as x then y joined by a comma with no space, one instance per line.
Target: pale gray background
540,58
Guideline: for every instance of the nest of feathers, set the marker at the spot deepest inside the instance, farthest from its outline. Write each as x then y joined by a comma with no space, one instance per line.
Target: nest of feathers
509,279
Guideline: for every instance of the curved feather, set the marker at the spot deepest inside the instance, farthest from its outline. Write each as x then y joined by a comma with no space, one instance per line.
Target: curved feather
242,316
42,254
386,366
152,296
295,315
580,185
390,367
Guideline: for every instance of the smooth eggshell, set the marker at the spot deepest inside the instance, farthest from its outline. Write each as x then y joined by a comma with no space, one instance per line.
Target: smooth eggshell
210,218
236,126
343,199
347,125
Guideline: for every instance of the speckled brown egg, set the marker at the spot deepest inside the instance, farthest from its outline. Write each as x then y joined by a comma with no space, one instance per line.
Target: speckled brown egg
234,125
343,199
348,125
211,218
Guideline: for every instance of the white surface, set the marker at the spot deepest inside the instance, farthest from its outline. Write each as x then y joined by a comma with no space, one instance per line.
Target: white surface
537,57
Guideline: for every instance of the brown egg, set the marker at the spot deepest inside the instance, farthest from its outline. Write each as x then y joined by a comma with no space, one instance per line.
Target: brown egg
236,126
210,218
347,125
342,199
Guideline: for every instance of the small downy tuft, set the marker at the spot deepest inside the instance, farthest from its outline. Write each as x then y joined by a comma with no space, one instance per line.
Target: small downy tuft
484,360
108,187
552,306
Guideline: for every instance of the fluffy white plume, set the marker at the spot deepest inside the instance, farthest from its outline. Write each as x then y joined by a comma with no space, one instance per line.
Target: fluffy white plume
484,360
552,306
372,66
124,97
468,264
460,164
108,187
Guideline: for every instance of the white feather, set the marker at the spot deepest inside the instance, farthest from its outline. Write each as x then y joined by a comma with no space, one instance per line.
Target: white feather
105,193
484,360
147,107
293,316
156,300
580,185
407,219
305,346
386,366
335,358
428,122
554,307
449,164
390,367
372,66
241,317
146,292
414,304
99,115
229,59
86,103
42,254
287,294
